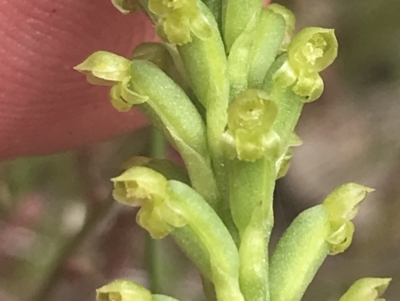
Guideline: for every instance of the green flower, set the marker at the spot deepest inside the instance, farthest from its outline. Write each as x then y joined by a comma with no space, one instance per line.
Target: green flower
249,135
311,51
342,205
109,69
178,19
146,188
313,48
367,289
250,112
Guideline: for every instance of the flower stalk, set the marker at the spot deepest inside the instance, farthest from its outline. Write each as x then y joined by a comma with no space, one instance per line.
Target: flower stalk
226,87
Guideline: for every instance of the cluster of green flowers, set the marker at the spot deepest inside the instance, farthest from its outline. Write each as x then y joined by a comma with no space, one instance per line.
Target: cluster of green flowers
227,88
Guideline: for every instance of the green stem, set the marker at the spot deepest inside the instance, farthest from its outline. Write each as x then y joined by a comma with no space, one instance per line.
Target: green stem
153,247
153,262
158,145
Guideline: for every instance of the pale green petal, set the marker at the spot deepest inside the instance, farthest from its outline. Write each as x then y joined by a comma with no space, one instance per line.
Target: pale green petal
284,163
343,202
342,206
249,146
123,98
130,96
286,13
142,183
309,86
252,110
116,100
123,290
367,289
178,19
152,222
200,27
295,140
126,6
120,195
272,144
284,77
177,29
290,21
142,186
229,145
341,237
97,81
105,66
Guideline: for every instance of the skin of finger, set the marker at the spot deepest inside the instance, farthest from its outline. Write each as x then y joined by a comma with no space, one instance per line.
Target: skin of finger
45,105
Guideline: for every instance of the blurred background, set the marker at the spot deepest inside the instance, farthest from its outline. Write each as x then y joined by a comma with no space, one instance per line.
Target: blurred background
62,236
